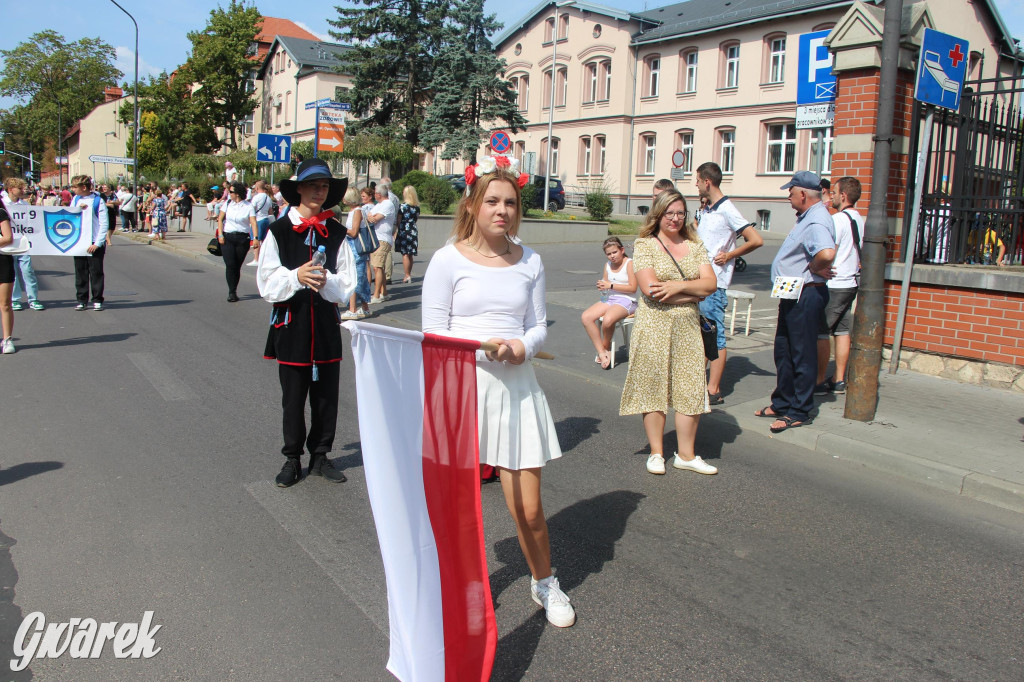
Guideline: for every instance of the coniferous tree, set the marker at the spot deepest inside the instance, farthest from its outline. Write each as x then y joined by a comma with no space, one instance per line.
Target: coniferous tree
394,45
468,87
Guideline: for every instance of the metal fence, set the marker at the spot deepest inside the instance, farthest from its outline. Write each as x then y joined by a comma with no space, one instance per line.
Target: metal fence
972,208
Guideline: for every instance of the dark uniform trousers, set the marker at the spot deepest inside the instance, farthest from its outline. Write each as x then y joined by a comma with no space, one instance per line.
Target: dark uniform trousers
296,384
796,352
89,274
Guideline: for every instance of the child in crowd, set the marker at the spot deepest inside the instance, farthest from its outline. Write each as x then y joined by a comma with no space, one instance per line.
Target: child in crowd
616,303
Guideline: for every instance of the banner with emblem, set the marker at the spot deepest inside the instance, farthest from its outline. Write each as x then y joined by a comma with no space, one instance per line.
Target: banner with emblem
52,230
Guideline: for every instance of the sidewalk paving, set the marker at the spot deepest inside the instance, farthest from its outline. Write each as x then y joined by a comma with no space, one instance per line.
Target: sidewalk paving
965,439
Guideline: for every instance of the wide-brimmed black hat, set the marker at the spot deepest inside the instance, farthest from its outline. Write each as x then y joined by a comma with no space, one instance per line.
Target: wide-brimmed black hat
314,169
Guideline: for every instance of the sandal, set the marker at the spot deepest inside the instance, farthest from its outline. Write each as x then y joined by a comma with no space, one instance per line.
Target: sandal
763,412
606,360
788,423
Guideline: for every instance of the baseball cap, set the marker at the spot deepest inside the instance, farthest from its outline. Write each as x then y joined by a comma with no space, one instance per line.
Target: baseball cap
804,180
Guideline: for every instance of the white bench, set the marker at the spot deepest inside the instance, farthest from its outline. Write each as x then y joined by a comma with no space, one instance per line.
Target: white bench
736,296
626,327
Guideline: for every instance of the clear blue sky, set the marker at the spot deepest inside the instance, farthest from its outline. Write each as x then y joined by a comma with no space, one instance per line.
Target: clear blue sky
162,26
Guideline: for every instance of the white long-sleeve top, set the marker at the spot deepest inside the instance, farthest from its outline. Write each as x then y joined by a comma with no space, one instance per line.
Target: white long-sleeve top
465,300
90,202
278,284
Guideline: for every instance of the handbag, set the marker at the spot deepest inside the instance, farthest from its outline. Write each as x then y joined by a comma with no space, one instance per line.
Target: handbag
708,329
214,246
366,241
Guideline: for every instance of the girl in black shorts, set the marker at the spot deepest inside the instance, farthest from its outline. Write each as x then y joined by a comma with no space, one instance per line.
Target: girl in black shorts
6,282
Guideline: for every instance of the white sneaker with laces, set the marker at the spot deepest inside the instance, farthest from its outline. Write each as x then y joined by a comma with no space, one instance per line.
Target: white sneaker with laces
556,604
7,346
97,306
349,315
656,464
376,299
696,464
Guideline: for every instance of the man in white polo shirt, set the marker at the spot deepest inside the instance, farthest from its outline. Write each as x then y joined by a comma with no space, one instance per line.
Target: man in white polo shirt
719,226
382,217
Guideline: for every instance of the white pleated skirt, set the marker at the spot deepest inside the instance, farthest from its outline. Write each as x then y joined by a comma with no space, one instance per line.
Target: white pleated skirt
515,424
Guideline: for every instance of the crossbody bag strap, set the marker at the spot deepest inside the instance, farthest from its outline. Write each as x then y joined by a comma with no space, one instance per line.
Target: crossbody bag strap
674,261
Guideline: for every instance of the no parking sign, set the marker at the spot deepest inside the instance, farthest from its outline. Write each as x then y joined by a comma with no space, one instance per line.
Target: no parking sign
500,142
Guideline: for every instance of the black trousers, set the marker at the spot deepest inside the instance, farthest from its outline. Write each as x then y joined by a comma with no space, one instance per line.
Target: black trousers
296,384
234,250
128,220
796,353
89,273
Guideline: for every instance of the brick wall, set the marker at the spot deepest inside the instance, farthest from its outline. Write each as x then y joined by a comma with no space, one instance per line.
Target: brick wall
969,323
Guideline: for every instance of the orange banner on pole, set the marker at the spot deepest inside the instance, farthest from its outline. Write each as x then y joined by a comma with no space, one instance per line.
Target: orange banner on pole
330,131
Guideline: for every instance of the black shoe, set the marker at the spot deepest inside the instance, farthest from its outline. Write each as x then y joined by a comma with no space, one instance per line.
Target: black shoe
839,387
291,473
715,399
319,465
825,387
232,297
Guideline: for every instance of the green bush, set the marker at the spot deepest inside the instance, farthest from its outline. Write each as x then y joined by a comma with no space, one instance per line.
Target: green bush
599,204
529,195
416,178
437,194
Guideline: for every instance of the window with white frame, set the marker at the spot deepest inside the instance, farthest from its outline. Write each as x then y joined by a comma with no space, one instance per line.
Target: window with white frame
606,67
248,125
546,102
600,144
563,26
590,82
546,169
562,81
690,74
727,154
287,105
554,157
648,145
819,151
519,151
586,157
521,85
549,29
731,71
777,59
780,154
684,143
653,76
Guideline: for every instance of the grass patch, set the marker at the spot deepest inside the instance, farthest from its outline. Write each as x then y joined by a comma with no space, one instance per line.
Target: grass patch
624,227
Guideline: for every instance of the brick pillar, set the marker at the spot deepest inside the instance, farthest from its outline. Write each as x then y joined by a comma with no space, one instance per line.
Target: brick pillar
854,130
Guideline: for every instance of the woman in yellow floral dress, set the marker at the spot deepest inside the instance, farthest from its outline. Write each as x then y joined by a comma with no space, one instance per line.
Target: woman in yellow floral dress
666,353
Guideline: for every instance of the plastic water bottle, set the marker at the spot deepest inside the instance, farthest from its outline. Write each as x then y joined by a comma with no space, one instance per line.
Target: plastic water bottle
604,295
320,257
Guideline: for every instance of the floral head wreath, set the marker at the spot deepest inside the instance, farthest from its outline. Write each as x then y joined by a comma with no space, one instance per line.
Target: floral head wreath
489,164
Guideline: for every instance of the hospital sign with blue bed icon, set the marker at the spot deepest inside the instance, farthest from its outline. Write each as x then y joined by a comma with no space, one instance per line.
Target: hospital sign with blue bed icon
941,69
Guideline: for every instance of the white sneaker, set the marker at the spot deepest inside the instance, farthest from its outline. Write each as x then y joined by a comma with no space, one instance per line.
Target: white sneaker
556,604
97,306
376,299
349,315
656,464
7,346
696,464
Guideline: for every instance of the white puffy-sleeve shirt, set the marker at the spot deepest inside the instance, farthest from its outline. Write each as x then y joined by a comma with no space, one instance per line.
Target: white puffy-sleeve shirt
278,284
465,300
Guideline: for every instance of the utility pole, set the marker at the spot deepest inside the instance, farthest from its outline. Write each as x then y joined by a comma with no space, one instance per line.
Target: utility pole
869,320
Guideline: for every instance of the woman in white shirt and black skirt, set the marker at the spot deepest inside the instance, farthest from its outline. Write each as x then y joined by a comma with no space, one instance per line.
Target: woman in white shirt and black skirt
236,231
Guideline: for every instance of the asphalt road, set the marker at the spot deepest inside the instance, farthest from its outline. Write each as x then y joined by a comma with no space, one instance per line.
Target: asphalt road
139,446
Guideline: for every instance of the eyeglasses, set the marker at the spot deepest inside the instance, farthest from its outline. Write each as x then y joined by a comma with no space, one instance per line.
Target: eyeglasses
675,215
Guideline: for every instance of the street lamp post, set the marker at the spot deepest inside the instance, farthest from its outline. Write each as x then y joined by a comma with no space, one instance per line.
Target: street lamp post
135,131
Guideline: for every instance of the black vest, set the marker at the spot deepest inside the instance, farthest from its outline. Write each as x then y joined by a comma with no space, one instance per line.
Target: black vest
304,329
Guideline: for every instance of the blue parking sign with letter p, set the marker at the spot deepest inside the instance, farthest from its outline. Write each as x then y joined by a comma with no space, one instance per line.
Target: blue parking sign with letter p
816,84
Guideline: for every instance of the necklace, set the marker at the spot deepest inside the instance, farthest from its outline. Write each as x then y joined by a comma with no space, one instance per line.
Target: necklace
508,247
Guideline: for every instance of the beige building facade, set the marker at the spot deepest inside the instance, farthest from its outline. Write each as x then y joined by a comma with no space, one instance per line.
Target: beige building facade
637,94
100,134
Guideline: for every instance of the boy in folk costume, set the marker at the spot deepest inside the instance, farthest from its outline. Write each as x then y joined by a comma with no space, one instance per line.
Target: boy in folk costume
304,337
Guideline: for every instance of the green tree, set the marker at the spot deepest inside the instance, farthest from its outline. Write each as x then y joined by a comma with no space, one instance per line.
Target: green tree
468,87
221,66
50,74
394,44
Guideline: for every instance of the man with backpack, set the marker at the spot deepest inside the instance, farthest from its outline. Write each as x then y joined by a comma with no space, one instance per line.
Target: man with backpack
89,269
837,319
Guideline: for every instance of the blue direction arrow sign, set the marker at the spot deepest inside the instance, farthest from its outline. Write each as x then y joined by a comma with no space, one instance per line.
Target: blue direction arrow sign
941,69
273,148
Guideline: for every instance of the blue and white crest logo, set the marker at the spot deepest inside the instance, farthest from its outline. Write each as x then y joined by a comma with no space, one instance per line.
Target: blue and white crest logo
63,229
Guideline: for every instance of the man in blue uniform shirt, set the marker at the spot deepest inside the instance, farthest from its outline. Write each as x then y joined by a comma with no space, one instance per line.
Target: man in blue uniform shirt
806,254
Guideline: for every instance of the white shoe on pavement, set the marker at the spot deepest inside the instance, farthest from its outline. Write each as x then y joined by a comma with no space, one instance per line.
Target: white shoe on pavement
696,464
656,464
349,315
556,604
7,346
376,299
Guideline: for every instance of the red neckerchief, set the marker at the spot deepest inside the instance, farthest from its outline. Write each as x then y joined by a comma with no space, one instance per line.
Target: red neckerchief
316,221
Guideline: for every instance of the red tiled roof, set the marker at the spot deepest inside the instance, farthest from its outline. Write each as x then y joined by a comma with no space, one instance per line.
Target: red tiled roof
273,26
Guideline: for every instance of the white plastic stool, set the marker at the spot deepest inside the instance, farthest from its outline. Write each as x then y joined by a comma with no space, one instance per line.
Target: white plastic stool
736,296
626,327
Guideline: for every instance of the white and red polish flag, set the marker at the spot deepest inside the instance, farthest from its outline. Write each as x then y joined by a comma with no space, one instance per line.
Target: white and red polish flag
416,395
